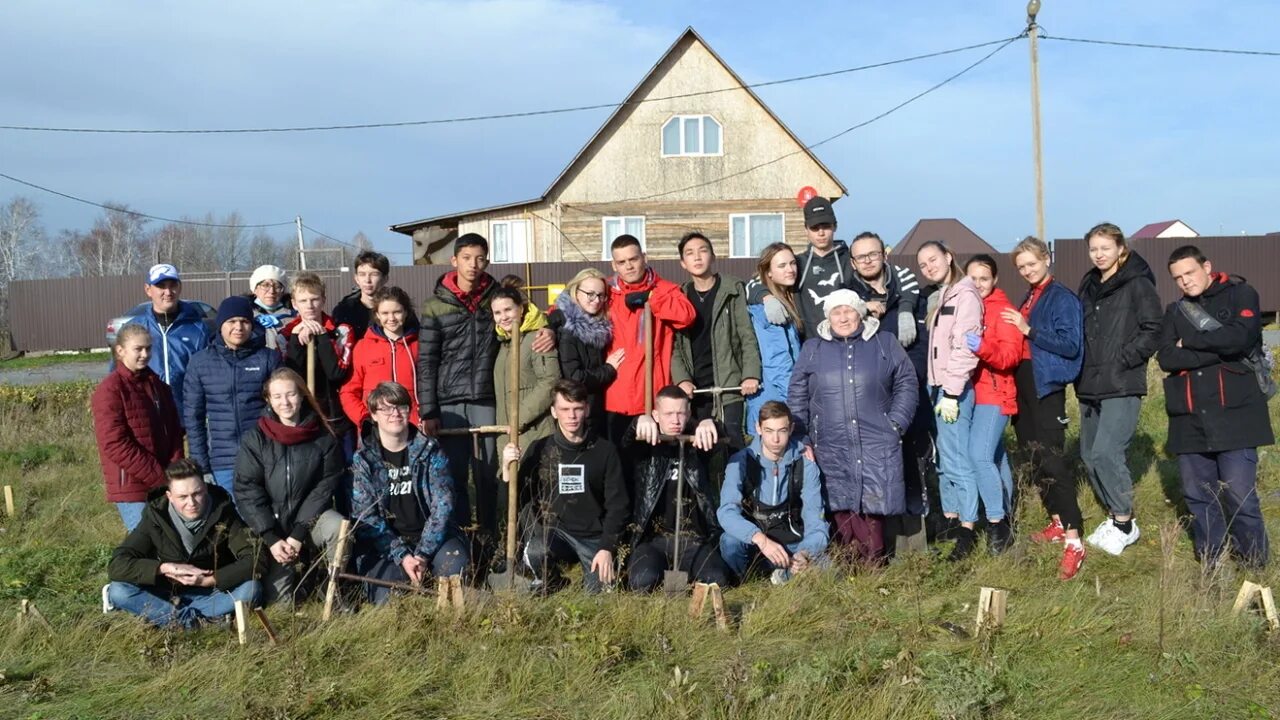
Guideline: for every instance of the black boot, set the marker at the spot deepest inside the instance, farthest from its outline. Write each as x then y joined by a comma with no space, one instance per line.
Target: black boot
999,537
966,541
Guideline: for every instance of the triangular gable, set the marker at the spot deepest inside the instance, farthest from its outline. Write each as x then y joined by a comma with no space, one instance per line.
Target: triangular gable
954,234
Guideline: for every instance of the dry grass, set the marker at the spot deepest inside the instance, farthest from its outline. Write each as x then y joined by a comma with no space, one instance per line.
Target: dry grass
1145,635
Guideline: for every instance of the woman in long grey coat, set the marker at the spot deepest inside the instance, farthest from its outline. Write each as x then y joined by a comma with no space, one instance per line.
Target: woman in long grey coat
853,394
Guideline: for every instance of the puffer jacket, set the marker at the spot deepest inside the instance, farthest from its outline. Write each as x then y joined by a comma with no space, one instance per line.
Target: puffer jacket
1121,330
672,311
1056,338
282,487
581,340
998,355
651,466
377,360
847,395
959,311
456,351
773,488
735,356
224,399
173,347
224,545
136,424
1212,398
538,375
371,490
902,294
779,347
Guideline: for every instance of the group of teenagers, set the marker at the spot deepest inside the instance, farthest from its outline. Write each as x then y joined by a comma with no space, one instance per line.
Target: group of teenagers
798,412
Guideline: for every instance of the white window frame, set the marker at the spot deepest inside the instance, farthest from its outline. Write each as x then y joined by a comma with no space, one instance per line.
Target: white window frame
511,256
747,223
680,120
606,241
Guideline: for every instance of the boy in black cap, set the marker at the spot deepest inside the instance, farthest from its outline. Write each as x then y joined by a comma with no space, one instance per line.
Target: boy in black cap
825,266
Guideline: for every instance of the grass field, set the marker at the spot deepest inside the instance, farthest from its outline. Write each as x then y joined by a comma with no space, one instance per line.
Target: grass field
28,362
1144,635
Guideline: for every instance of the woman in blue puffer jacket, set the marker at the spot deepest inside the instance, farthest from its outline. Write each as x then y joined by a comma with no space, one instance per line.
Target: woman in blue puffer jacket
853,394
776,321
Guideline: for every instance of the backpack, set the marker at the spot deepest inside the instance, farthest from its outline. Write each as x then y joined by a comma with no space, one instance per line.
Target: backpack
1258,360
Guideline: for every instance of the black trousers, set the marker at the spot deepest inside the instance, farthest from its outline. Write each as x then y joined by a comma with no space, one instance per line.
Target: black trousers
651,557
1041,427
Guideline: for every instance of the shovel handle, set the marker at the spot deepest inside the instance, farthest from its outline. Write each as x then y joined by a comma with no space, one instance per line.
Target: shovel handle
513,421
647,320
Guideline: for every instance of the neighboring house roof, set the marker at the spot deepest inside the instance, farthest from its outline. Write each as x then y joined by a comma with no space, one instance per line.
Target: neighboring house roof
689,34
1155,229
953,233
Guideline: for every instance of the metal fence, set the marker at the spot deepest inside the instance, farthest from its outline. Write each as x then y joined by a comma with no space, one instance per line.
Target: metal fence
72,313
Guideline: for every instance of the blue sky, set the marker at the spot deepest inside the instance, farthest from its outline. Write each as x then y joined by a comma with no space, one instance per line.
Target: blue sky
1132,136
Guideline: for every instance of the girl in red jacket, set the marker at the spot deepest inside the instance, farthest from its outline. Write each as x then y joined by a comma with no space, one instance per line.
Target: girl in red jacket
387,352
999,350
136,424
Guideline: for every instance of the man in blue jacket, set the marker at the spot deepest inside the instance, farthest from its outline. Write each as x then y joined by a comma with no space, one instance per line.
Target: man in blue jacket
177,328
223,390
771,502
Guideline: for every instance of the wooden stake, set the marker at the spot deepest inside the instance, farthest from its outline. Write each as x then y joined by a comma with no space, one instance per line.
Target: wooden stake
311,365
242,629
335,567
717,604
991,608
455,592
8,501
266,625
1244,598
1269,608
698,603
442,593
1254,594
28,609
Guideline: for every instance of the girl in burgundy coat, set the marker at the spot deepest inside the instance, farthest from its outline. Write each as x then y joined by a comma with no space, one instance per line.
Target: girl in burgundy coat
136,424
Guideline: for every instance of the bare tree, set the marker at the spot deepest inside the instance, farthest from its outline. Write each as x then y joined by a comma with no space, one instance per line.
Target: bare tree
21,237
115,245
265,250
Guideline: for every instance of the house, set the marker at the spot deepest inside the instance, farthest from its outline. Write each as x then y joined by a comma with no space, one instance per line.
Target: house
953,233
1166,229
691,148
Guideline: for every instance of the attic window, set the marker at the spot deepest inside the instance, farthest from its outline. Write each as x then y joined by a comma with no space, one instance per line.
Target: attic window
691,135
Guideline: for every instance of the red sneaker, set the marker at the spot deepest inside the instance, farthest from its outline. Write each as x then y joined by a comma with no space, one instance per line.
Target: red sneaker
1072,559
1052,533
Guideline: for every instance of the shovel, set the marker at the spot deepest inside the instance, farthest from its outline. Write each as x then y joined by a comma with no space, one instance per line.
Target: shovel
507,579
675,581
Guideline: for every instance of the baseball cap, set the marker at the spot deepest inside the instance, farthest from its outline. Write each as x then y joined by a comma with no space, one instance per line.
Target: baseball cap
161,272
817,211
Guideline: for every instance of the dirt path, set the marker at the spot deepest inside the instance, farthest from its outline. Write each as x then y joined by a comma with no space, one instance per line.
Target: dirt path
62,372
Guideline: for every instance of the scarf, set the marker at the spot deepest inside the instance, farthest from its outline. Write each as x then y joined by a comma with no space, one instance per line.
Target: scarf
469,300
646,283
533,320
305,431
187,529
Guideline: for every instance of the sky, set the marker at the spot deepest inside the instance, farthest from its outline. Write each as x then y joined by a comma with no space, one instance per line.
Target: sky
1130,136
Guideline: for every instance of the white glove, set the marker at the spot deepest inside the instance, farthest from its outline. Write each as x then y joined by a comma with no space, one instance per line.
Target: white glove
906,328
774,311
948,409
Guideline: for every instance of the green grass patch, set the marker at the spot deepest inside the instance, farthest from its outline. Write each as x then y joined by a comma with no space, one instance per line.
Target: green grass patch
28,362
1144,635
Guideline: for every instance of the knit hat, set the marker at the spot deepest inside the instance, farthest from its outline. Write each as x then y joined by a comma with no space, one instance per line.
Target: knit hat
236,306
847,297
266,272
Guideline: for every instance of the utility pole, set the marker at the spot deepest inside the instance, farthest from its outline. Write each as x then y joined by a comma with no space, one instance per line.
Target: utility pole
1033,30
302,249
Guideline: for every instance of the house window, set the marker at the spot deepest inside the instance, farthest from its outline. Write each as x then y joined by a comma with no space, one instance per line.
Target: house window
691,135
749,234
509,241
612,227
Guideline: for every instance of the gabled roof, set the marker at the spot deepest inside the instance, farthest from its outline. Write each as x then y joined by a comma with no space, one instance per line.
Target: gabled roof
1152,230
953,233
632,99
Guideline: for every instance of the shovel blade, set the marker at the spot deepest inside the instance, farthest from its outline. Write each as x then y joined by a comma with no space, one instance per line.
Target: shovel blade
508,581
675,582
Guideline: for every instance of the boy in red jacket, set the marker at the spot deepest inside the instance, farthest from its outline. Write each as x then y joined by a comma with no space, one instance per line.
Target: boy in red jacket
633,286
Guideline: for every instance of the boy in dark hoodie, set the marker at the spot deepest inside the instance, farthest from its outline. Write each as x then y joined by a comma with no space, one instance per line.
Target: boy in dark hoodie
824,267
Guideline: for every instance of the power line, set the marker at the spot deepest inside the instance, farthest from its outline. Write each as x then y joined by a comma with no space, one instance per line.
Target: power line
139,214
499,116
826,140
1151,46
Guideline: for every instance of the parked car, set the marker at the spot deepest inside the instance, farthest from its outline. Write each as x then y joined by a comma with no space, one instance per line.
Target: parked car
209,312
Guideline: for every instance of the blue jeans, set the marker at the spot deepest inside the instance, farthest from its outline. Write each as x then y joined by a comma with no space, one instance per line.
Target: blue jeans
989,460
1221,490
739,556
194,604
131,514
957,481
225,480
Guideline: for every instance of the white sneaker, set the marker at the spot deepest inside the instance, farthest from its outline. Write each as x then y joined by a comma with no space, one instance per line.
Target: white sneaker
1099,532
1114,541
780,576
106,600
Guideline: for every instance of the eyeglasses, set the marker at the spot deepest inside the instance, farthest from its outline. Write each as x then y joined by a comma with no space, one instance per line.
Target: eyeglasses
592,295
393,410
869,257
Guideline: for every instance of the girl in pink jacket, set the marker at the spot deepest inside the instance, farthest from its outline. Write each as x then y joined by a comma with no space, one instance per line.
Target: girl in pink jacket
951,369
